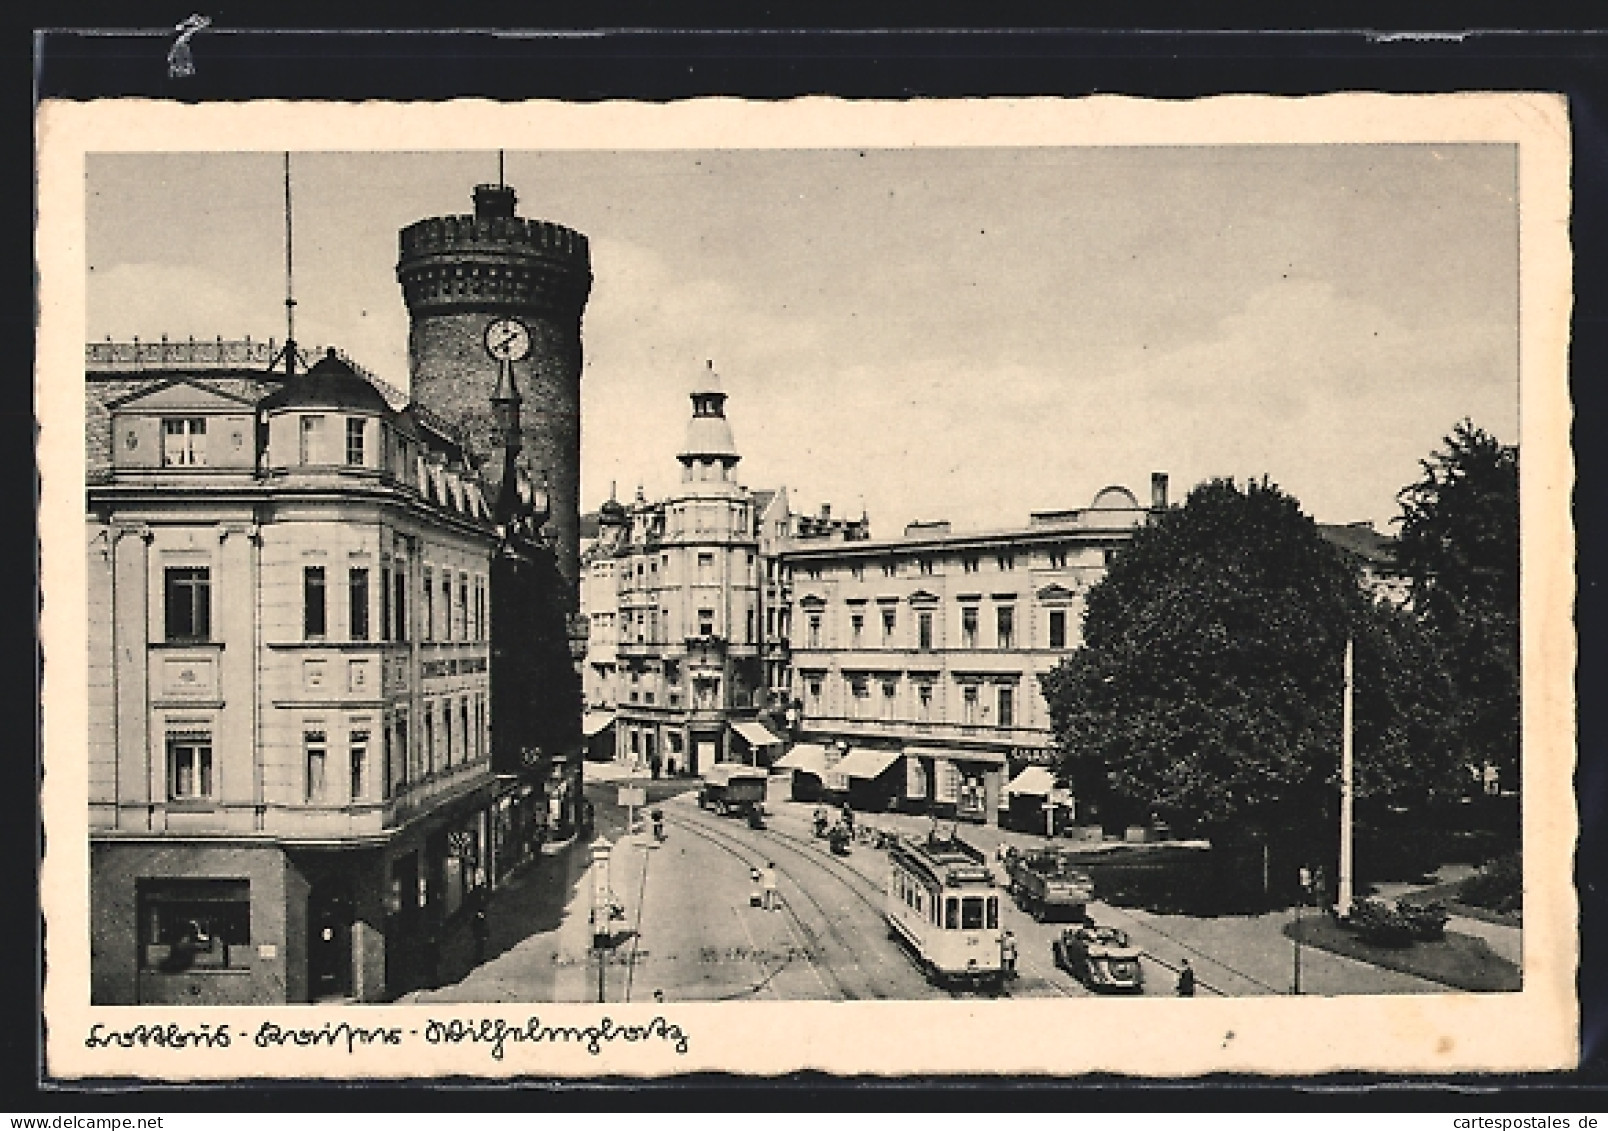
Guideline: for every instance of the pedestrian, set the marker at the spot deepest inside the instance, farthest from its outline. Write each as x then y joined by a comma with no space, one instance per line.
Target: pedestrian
769,882
848,818
1007,953
1186,980
658,996
755,898
480,926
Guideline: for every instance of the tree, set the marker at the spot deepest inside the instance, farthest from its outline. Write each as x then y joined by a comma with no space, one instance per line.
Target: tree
1459,544
1208,687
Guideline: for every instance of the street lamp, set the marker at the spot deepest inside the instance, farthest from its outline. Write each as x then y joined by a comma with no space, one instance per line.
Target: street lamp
1300,902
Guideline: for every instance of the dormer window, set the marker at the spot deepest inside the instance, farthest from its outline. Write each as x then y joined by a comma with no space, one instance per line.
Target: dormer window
312,439
184,441
355,453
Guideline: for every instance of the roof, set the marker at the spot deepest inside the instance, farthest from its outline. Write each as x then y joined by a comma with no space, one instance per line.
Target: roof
331,383
993,757
762,499
755,734
807,756
1035,781
1361,540
721,773
595,722
863,763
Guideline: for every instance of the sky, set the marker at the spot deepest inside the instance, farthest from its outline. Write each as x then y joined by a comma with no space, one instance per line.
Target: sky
965,334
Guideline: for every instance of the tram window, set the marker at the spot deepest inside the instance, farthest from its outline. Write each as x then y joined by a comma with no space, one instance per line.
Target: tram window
971,913
993,912
952,914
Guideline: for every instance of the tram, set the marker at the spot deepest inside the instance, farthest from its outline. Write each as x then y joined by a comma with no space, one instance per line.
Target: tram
943,904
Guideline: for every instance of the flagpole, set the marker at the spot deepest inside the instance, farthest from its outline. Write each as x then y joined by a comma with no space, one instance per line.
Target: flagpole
1343,902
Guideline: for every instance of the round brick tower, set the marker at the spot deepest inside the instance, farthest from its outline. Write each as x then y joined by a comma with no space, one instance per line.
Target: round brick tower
458,274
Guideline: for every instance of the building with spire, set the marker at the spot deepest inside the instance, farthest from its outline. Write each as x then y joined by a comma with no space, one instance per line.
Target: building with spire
679,583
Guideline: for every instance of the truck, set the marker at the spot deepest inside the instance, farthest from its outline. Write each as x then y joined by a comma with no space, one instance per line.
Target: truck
733,790
1046,884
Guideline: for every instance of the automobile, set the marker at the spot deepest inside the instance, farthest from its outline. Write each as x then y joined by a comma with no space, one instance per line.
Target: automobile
1101,958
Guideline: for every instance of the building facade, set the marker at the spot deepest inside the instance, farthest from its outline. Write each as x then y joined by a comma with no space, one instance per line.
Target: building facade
677,606
915,661
290,779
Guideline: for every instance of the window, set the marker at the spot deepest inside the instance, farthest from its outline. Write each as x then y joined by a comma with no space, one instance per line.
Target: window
446,606
187,603
385,602
1007,706
1057,628
924,702
189,757
860,687
857,571
969,563
399,594
429,603
1005,623
968,626
354,442
1057,559
190,925
856,627
815,630
926,567
814,687
890,620
750,637
968,705
357,588
357,747
993,912
404,756
952,914
890,568
706,567
312,439
924,631
316,747
314,612
890,690
971,913
1006,561
184,442
427,739
706,622
467,744
462,607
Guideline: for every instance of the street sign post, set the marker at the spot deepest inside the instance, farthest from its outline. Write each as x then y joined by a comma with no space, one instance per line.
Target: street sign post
631,796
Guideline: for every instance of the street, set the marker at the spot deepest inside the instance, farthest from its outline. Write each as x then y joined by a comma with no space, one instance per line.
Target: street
691,932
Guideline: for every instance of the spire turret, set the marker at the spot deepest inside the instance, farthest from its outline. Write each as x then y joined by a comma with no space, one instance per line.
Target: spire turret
709,438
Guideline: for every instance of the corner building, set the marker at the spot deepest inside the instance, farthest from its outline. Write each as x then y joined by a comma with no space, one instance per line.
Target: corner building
290,782
687,608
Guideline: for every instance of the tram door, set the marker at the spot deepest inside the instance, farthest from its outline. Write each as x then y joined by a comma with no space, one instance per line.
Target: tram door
329,943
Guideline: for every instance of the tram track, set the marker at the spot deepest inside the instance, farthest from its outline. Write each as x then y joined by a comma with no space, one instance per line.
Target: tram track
750,857
858,884
841,873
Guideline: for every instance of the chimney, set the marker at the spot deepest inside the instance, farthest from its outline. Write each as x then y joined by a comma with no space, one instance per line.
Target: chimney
1158,490
826,511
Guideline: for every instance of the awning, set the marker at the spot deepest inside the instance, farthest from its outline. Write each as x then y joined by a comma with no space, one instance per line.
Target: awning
595,722
992,757
1035,781
755,734
807,756
862,763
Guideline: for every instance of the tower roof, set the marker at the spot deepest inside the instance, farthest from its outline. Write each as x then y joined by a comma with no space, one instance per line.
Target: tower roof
709,432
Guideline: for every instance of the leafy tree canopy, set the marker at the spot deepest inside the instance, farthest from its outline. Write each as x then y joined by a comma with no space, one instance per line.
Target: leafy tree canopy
1209,686
1459,544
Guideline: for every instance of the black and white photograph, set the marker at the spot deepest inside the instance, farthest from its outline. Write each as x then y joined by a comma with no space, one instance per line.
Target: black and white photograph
1022,572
